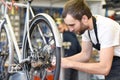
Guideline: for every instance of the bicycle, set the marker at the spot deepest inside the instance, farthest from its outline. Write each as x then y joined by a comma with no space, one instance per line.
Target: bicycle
41,44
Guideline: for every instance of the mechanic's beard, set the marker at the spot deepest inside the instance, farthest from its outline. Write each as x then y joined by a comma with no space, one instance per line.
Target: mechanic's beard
81,32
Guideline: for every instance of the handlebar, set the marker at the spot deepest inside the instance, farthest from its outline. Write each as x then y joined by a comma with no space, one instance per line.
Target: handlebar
28,0
8,6
12,2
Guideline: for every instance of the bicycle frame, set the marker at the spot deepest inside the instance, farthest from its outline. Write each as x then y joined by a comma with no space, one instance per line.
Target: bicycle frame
26,26
11,32
26,31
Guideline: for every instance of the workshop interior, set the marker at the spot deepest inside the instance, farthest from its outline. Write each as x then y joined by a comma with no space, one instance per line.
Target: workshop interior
54,8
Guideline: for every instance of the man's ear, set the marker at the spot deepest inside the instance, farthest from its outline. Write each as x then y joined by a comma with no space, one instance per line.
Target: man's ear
84,19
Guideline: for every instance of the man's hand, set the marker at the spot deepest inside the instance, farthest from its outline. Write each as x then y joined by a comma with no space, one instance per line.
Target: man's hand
65,63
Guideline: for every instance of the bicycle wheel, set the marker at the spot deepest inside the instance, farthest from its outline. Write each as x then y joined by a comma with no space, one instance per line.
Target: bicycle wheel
45,49
4,52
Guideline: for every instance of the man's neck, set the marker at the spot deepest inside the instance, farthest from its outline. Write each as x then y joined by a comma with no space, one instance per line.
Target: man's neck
90,24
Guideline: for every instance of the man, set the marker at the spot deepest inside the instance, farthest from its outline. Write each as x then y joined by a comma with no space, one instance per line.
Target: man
97,31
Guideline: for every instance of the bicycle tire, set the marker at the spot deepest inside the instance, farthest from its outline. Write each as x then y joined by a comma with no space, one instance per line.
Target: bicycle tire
41,48
4,52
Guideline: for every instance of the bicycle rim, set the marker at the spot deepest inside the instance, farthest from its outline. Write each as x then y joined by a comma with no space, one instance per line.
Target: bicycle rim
44,51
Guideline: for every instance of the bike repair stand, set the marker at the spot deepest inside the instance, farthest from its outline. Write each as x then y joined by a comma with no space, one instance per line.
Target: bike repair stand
62,54
65,45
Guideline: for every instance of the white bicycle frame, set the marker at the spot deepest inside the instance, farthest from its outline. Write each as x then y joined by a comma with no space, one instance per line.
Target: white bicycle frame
26,30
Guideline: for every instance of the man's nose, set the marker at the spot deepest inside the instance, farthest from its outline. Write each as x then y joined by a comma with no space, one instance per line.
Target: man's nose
71,29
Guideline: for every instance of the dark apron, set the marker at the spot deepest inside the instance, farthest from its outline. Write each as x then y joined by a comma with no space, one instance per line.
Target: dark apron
115,69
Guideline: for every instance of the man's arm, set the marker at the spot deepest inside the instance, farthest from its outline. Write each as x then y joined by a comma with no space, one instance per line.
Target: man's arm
102,67
85,54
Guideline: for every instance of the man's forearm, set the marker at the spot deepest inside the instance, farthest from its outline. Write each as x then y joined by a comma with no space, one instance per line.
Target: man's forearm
79,57
92,68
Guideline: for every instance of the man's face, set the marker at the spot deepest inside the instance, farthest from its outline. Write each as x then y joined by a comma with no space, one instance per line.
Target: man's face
74,25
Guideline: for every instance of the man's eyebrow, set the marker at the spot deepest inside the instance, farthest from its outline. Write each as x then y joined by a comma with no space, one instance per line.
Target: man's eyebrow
70,24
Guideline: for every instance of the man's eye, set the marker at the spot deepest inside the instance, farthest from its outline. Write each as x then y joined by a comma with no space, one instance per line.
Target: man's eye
71,25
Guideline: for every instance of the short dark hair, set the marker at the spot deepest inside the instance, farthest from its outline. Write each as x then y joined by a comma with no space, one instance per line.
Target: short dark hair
76,8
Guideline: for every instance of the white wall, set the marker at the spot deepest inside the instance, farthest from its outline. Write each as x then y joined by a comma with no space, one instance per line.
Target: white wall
96,7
